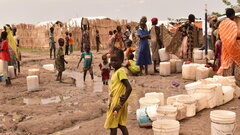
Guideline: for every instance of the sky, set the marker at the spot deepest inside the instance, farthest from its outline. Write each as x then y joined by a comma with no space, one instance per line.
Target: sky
35,11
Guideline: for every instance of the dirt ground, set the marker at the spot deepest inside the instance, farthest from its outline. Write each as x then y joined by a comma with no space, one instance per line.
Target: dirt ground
64,109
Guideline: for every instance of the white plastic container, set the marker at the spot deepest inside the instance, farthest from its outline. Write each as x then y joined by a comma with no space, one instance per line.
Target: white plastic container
210,91
201,101
210,54
32,83
152,112
202,73
146,101
181,110
190,102
191,87
34,71
49,67
228,93
189,71
173,65
167,112
164,56
1,67
166,127
172,99
179,64
11,72
198,54
223,122
158,95
218,93
165,69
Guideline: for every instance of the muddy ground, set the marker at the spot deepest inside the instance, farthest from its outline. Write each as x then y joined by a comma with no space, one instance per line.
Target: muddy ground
62,108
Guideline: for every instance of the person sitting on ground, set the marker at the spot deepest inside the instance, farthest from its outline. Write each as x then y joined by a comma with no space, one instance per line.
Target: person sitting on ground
119,93
129,49
87,66
5,57
60,61
105,68
131,65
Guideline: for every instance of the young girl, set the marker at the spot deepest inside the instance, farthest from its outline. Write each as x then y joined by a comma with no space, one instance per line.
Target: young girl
105,67
119,39
120,90
60,61
144,56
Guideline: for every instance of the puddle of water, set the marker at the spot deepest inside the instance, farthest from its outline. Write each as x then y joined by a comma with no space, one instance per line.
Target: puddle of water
96,85
36,100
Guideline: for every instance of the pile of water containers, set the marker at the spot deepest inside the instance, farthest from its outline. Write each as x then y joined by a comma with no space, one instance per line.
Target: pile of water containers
205,93
192,71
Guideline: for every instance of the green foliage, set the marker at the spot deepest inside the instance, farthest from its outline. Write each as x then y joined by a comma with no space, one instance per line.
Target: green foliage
217,14
228,3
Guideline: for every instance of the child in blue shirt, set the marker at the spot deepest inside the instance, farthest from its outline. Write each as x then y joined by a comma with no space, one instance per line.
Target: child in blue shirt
87,65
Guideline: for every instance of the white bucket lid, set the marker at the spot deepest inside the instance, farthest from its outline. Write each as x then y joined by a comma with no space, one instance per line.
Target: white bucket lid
186,99
149,100
166,124
223,116
167,109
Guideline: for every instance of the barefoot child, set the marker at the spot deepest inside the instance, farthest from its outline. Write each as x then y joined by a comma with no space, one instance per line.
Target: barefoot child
71,42
120,90
105,68
60,61
87,66
5,57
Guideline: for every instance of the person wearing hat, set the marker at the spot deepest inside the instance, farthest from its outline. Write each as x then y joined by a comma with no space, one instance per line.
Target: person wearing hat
156,43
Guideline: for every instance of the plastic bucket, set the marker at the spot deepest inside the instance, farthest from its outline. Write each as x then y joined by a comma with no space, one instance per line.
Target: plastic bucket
166,127
142,118
157,95
148,101
167,112
152,112
223,122
190,102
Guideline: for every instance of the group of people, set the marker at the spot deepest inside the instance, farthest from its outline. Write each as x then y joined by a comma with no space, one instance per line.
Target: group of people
9,52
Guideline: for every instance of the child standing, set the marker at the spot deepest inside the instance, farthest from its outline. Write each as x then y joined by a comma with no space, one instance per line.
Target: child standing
60,61
52,43
71,42
5,57
119,39
105,67
98,42
67,44
120,90
87,66
131,65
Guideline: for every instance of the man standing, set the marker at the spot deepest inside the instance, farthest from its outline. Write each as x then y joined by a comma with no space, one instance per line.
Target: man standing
156,43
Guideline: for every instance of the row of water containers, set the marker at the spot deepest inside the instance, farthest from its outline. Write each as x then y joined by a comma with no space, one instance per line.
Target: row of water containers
194,71
200,54
190,71
168,66
207,93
